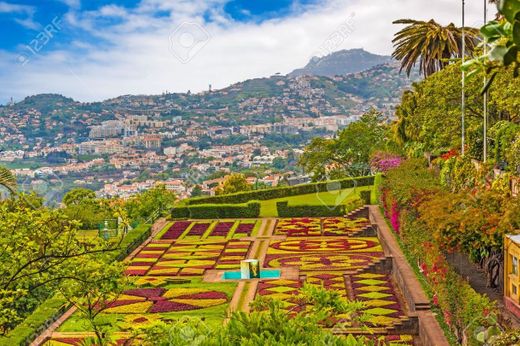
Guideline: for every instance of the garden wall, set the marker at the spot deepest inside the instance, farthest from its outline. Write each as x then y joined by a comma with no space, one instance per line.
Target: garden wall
430,332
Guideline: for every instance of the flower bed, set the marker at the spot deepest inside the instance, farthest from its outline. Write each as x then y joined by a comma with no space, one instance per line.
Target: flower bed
198,229
176,230
293,227
245,229
159,300
340,226
222,229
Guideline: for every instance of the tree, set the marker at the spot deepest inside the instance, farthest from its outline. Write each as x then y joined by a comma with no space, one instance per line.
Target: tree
145,206
503,38
428,118
7,180
235,182
348,153
78,196
38,248
93,288
196,191
430,44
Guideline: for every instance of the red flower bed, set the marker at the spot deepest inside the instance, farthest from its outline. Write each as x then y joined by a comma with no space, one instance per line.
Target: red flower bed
245,228
204,295
176,230
198,229
146,292
168,306
222,229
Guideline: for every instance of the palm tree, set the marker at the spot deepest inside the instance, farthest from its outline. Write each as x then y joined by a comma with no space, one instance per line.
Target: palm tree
7,180
431,45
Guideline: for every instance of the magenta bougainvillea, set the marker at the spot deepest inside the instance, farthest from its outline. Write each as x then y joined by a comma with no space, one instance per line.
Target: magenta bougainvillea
394,217
382,162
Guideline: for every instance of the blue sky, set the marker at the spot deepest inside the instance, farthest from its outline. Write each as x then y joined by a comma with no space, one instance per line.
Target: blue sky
97,49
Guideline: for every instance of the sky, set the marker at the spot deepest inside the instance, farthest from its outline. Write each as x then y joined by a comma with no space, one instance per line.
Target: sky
92,50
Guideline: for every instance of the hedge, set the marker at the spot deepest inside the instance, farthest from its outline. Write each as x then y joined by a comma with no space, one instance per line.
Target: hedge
284,210
281,192
216,211
366,196
376,196
51,309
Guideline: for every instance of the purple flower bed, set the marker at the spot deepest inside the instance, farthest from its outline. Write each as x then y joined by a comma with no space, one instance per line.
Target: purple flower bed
168,306
198,229
222,229
245,228
146,292
176,230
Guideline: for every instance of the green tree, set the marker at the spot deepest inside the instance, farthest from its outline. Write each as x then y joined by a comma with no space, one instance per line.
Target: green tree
349,152
93,288
430,44
38,250
196,191
145,205
235,182
78,196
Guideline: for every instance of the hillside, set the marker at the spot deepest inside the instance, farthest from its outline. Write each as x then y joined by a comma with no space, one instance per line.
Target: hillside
341,63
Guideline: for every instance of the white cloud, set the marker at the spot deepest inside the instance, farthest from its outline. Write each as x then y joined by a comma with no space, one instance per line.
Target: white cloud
16,10
140,60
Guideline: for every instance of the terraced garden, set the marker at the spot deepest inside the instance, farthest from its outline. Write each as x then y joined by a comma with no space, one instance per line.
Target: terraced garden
179,273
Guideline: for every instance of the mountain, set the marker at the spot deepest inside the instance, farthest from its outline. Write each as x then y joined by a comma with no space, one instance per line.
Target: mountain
52,119
341,63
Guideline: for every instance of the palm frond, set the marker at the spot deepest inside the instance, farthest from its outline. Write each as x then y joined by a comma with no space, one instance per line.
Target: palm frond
8,180
430,45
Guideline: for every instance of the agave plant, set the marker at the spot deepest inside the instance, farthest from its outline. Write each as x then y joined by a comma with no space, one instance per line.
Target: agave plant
431,45
8,180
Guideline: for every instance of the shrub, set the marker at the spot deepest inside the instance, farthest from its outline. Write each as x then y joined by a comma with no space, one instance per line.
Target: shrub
218,211
281,192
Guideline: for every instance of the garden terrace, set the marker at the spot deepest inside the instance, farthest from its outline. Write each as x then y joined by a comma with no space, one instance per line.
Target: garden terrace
178,272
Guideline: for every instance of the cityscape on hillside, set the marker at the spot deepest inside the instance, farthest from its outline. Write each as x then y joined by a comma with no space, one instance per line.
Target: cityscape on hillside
128,144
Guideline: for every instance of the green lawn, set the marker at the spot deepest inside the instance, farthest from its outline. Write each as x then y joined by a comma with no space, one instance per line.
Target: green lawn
346,196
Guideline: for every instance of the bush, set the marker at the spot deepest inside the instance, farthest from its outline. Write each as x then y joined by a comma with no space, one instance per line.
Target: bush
366,196
44,315
281,192
284,210
218,211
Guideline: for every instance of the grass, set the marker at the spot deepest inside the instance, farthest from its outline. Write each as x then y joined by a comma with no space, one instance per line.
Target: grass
345,196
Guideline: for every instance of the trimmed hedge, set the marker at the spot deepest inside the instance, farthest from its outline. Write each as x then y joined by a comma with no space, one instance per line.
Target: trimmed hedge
284,210
366,196
281,192
217,211
51,309
376,196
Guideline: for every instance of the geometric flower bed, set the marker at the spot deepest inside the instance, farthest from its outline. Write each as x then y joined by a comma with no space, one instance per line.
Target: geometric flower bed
349,255
316,227
377,292
305,227
326,244
346,263
188,258
341,226
158,300
188,230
